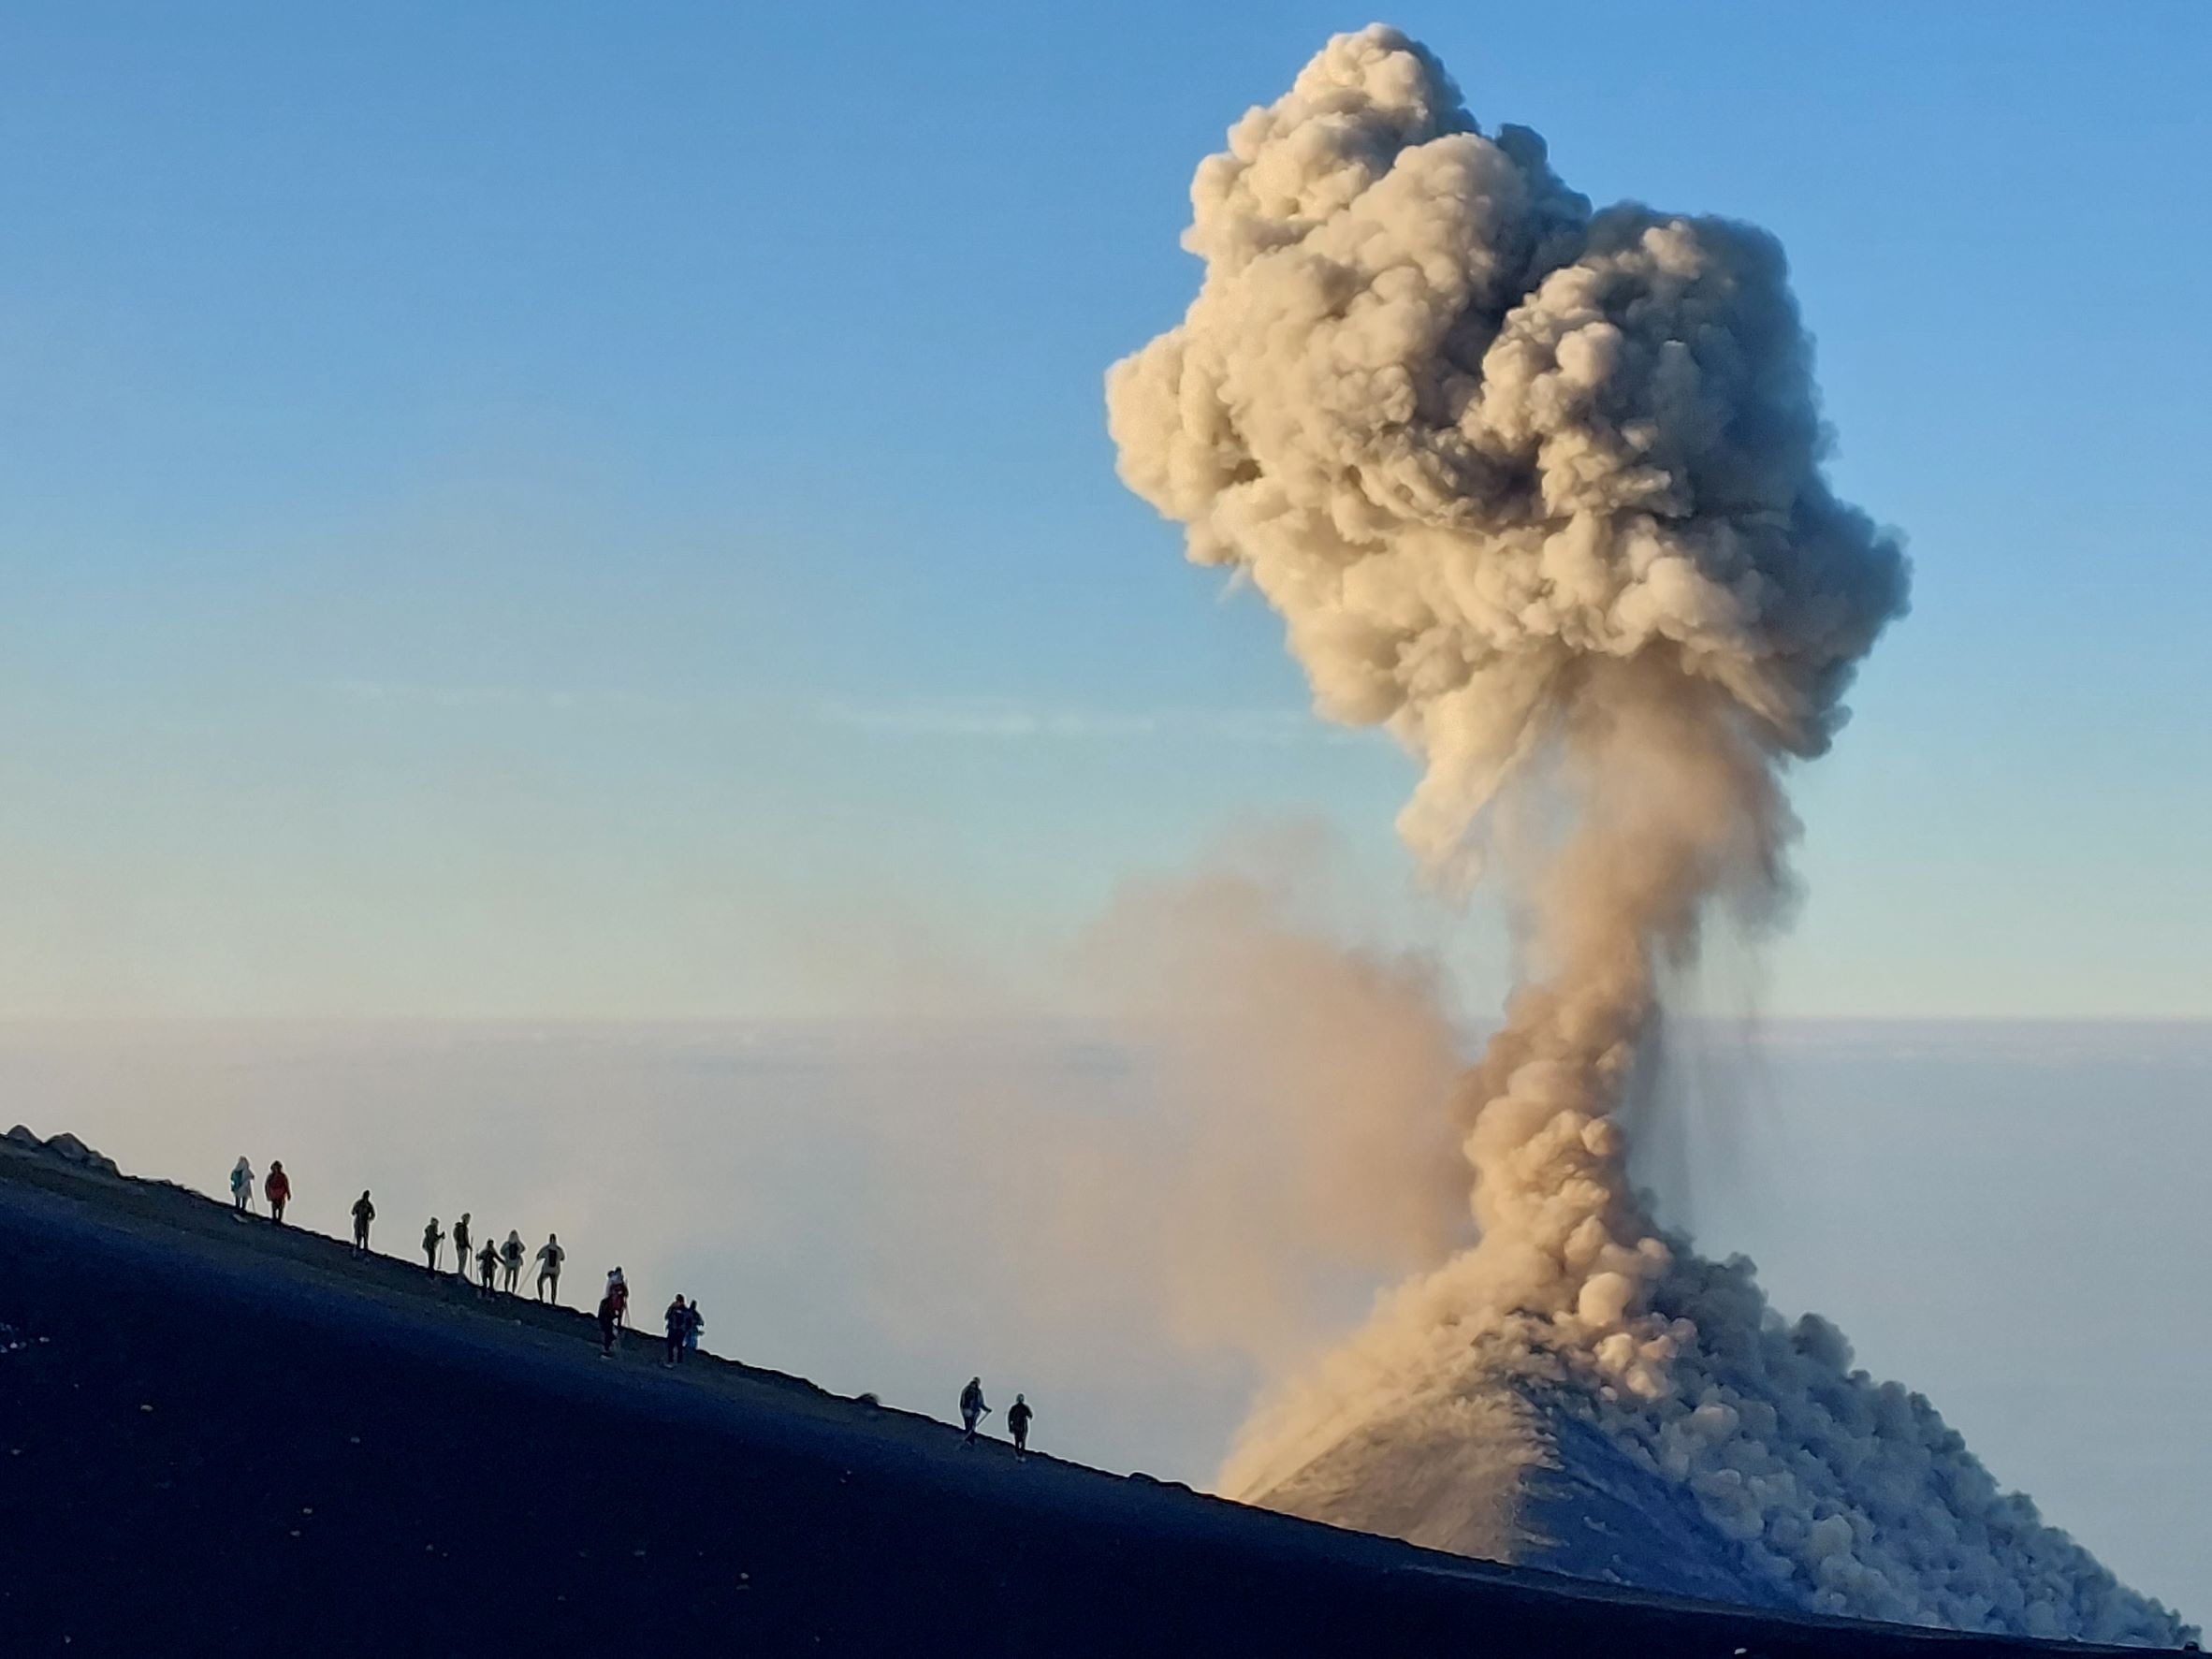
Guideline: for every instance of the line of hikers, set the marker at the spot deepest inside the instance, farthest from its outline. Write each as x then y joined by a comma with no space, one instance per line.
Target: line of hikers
277,1190
491,1261
973,1411
682,1322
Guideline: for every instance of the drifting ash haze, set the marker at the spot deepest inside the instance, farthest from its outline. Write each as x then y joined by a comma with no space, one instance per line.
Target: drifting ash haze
1538,489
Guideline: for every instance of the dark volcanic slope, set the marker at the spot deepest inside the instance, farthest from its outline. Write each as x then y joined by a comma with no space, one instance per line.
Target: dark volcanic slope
215,1437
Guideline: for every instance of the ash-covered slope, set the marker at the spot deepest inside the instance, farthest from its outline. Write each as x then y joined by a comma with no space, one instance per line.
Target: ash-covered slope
1592,1511
1774,1473
1495,1472
219,1438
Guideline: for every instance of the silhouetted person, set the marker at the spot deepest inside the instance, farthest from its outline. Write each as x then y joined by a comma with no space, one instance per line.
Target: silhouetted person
511,1259
972,1409
694,1322
460,1246
364,1213
606,1325
550,1256
241,1185
1017,1422
487,1264
277,1190
431,1239
678,1319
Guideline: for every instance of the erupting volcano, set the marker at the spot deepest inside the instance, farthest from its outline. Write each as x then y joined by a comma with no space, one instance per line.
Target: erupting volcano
1538,488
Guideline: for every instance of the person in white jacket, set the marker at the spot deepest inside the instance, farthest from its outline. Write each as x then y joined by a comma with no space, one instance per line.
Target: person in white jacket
241,1185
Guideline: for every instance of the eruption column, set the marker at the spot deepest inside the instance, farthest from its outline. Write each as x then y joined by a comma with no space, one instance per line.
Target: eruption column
1538,489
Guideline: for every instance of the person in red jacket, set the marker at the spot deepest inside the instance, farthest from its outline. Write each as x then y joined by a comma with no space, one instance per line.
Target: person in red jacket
277,1190
618,1292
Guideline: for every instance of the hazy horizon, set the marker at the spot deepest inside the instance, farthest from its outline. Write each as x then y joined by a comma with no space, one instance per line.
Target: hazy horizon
881,1206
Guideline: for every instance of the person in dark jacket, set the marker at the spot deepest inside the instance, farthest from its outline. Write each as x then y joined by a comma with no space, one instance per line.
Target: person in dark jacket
1017,1423
277,1189
550,1257
679,1320
694,1322
431,1239
608,1313
972,1409
487,1264
462,1256
364,1213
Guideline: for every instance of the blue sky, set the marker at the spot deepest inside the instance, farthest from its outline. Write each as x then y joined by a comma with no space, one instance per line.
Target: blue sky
515,510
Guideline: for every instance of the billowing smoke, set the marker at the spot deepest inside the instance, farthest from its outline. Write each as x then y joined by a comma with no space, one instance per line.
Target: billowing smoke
1540,489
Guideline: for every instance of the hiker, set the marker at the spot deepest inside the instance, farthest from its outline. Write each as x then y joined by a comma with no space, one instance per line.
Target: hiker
1017,1420
606,1325
550,1255
241,1185
972,1409
511,1258
694,1322
364,1213
618,1292
431,1239
678,1320
487,1264
460,1246
277,1190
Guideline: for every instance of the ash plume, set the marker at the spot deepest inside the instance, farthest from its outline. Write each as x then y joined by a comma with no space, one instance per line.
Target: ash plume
1538,488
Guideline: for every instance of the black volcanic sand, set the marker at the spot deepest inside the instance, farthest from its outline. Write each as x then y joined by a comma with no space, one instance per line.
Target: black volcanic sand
221,1437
